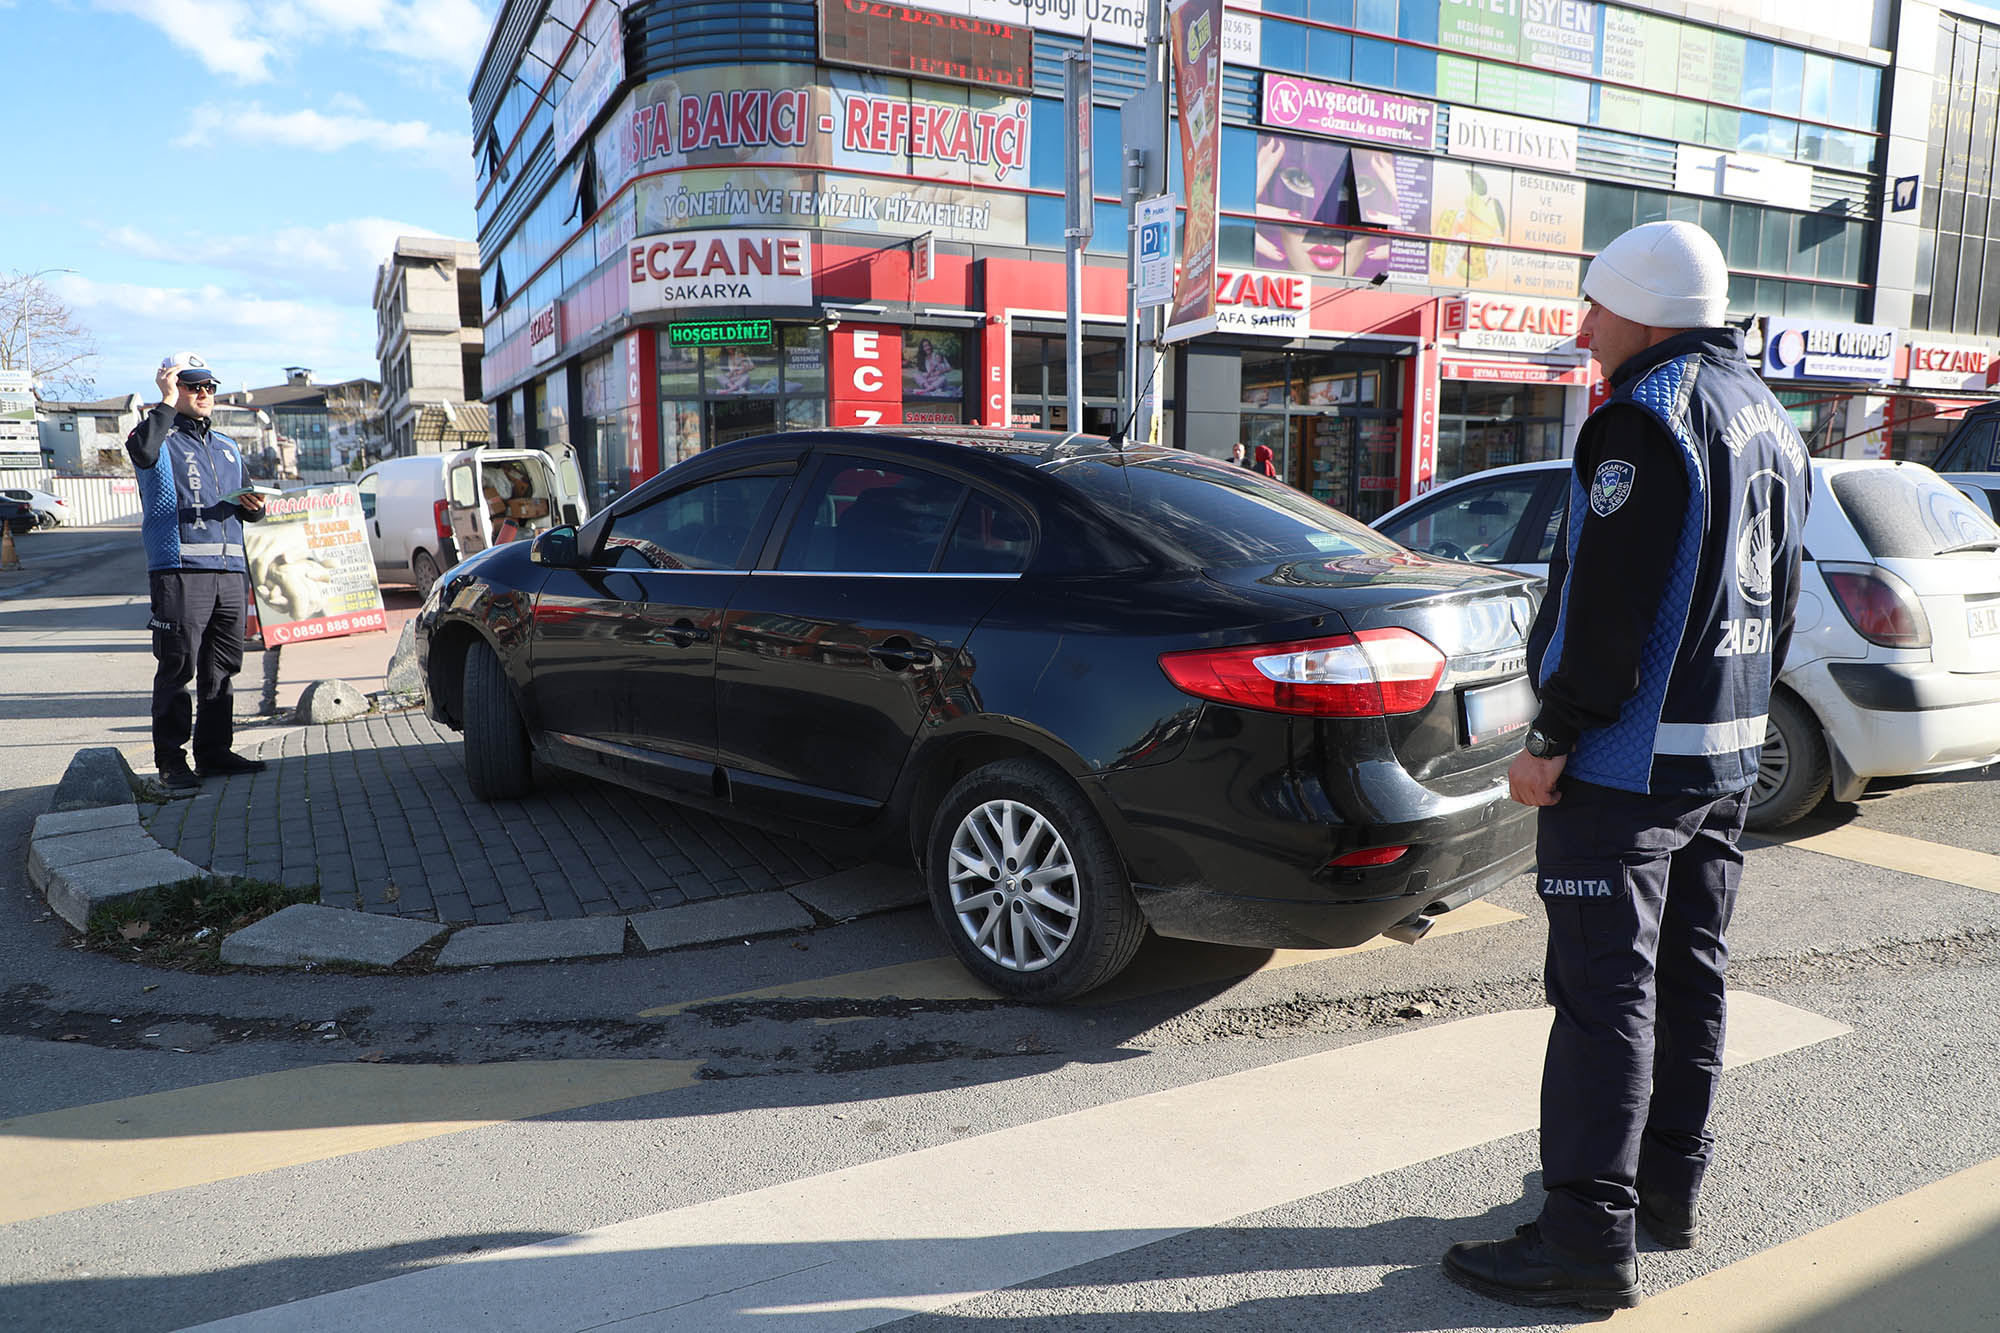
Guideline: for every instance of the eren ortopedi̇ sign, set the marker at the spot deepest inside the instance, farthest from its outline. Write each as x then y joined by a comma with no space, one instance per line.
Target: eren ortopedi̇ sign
1808,349
906,39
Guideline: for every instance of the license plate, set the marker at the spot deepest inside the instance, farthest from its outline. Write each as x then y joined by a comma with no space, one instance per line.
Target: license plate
1981,621
1498,709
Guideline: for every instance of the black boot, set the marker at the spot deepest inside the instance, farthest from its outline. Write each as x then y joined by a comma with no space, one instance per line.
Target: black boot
176,776
228,763
1527,1270
1671,1222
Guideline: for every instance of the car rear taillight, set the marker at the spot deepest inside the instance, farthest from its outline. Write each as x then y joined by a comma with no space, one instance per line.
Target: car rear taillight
1881,607
1375,673
441,516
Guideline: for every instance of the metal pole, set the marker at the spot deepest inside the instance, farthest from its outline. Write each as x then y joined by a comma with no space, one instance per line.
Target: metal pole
1080,204
1146,363
1135,175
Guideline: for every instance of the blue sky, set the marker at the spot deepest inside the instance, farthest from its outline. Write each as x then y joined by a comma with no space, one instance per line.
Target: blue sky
223,176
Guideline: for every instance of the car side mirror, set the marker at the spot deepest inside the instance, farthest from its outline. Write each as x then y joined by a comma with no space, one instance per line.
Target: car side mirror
556,548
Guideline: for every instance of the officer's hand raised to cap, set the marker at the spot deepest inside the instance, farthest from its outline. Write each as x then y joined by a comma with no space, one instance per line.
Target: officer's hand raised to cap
1532,781
170,391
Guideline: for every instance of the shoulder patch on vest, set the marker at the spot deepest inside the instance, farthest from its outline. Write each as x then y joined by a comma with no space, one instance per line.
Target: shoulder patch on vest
1611,486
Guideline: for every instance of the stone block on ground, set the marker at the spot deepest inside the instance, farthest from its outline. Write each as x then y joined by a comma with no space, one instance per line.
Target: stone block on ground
76,891
403,677
97,776
47,855
59,823
720,919
305,933
535,942
331,701
861,891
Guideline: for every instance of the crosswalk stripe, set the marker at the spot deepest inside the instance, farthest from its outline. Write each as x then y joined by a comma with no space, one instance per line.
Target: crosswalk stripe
1171,964
1893,851
59,1161
864,1246
1924,1260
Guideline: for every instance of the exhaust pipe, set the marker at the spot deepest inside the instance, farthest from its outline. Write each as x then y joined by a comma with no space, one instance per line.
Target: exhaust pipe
1411,928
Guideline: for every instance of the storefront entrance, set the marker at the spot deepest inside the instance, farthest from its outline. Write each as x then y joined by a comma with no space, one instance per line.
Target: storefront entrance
1330,422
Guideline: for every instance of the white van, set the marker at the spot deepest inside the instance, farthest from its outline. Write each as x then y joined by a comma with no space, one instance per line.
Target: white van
428,512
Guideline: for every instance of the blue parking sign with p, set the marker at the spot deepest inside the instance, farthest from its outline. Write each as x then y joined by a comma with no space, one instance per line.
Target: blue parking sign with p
1153,240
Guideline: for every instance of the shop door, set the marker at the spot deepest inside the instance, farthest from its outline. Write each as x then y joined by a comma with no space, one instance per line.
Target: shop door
734,418
1321,459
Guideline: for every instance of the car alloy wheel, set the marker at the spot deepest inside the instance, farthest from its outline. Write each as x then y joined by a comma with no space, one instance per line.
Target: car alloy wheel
1014,885
1792,770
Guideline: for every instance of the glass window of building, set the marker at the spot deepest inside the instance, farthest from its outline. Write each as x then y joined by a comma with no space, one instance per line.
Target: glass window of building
1483,426
711,395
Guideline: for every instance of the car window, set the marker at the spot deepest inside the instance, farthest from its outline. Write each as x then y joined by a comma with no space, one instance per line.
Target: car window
464,490
871,518
706,526
1476,521
1973,450
1902,512
1218,515
366,486
989,538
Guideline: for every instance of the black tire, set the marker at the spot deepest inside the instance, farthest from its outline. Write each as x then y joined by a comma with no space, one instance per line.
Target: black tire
424,568
1051,952
498,764
1793,772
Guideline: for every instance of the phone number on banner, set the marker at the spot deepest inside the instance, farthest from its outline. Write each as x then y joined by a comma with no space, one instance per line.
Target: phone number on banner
327,627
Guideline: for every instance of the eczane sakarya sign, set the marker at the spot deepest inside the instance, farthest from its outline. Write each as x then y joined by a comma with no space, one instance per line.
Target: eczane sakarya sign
697,269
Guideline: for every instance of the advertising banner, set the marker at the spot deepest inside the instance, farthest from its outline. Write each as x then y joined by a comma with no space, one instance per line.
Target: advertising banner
1121,23
1348,113
1622,53
1811,349
933,364
311,571
18,432
545,332
728,116
813,199
703,269
1480,28
603,70
1559,35
1513,140
928,43
1195,40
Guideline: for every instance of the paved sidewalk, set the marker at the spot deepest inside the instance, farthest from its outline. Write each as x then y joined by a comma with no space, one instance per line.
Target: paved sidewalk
378,814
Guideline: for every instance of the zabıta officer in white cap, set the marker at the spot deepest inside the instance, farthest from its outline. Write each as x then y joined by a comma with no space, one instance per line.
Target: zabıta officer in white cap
1668,611
192,505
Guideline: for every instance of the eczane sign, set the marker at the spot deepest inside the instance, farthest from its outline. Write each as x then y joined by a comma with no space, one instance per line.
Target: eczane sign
701,269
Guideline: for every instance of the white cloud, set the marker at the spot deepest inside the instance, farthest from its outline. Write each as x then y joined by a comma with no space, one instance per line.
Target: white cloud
241,40
248,339
313,131
336,261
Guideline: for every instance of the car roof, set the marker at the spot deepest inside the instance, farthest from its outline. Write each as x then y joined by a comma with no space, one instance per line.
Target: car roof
1037,448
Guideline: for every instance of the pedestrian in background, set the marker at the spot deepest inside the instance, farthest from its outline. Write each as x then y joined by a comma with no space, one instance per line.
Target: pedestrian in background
191,490
1668,611
1238,456
1265,462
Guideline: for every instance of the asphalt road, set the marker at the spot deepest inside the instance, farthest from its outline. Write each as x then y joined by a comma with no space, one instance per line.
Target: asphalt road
834,1131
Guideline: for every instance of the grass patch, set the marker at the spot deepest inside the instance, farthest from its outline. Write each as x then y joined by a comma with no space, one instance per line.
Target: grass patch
182,925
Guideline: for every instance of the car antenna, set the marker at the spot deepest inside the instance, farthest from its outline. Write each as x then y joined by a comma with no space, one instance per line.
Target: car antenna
1122,432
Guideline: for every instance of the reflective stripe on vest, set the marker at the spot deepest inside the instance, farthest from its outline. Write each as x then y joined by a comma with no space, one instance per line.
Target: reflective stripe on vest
1744,733
211,548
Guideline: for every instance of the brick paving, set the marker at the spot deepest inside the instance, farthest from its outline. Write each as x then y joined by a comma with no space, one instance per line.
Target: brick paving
377,813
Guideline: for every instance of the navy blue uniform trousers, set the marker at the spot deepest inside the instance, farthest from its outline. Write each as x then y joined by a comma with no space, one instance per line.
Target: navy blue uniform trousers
197,629
1639,890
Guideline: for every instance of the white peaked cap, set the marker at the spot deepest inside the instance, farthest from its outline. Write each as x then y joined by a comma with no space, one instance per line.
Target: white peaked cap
1670,275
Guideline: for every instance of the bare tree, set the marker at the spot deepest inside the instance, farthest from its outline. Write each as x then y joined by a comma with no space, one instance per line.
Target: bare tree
38,333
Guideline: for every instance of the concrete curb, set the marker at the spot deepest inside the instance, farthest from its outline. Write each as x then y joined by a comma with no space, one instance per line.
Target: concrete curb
81,858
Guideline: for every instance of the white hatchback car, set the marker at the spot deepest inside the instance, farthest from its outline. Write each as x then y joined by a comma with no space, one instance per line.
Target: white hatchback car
1894,665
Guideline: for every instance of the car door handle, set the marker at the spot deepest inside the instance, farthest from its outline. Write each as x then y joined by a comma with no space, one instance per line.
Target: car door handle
681,634
899,654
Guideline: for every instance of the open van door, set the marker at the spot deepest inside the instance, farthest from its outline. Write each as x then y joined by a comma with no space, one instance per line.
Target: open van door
471,524
569,505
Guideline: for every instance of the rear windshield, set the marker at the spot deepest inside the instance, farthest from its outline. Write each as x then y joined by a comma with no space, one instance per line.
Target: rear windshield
1905,512
1220,517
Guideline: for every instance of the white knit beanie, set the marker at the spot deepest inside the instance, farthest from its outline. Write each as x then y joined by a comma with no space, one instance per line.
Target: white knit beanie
1670,275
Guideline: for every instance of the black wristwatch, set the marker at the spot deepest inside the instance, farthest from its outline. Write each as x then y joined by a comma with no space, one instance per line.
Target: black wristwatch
1542,745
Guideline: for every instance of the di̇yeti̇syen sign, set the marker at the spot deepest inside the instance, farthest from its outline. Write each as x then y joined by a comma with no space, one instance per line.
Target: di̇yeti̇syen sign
692,269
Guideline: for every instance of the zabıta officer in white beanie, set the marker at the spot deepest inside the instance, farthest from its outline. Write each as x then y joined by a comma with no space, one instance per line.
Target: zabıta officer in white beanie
1668,610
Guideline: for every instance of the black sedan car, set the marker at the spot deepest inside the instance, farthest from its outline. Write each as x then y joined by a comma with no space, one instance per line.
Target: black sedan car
1087,689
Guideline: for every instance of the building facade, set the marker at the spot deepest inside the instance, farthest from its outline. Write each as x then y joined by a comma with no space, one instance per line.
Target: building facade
703,220
317,428
429,337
